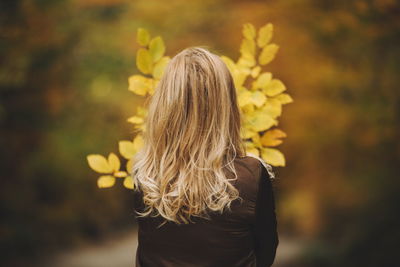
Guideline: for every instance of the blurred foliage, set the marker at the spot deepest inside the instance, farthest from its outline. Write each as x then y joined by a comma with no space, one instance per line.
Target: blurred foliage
260,100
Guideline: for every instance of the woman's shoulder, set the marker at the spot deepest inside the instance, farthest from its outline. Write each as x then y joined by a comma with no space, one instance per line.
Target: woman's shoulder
256,166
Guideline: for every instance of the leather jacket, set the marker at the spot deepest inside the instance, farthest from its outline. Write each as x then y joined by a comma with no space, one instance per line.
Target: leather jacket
245,236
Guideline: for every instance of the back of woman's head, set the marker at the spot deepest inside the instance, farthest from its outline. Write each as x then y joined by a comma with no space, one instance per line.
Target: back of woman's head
192,134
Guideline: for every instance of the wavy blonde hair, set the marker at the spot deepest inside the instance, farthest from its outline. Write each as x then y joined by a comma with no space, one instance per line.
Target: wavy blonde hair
192,133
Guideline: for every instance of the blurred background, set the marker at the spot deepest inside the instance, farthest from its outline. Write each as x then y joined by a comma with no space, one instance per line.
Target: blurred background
64,68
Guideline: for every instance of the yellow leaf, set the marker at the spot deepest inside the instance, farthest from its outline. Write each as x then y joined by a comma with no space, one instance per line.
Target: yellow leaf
251,149
229,63
159,67
239,77
268,54
248,48
128,182
249,32
153,86
258,98
256,140
120,174
273,156
127,149
260,120
105,181
244,97
248,108
135,120
262,80
139,85
271,137
129,166
272,107
142,37
246,61
255,71
247,133
99,163
284,98
264,35
138,142
156,48
144,61
274,87
114,162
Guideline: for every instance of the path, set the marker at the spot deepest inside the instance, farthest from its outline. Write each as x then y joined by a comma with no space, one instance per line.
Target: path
120,252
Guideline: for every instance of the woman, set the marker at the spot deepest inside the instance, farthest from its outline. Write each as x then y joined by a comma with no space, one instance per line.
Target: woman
199,200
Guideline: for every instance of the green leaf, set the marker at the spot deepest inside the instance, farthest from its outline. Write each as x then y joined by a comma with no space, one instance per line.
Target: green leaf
268,54
99,163
144,61
142,37
156,48
264,35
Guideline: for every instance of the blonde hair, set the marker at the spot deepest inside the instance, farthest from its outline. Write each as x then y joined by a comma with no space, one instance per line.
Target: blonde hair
192,132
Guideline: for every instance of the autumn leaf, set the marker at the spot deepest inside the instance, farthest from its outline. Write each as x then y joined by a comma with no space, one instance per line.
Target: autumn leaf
260,120
249,32
159,67
272,137
99,163
138,85
105,181
273,156
143,37
250,148
268,54
264,35
128,182
262,81
135,120
113,162
258,98
274,87
128,149
156,48
144,61
284,98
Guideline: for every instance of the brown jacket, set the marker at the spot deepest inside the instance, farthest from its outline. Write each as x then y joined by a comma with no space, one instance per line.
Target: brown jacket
245,237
